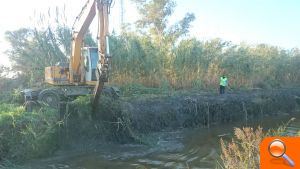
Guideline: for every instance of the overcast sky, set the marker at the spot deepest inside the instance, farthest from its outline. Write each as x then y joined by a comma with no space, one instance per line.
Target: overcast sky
274,22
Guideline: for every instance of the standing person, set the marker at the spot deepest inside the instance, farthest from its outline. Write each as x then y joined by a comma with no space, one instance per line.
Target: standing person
223,84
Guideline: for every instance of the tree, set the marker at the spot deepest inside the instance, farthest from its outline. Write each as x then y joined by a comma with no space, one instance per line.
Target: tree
154,20
3,71
154,16
32,50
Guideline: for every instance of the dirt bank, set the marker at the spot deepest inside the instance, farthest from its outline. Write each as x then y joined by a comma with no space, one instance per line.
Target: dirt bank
125,119
205,109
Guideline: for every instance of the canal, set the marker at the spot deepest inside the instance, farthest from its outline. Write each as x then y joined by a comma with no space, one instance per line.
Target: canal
185,148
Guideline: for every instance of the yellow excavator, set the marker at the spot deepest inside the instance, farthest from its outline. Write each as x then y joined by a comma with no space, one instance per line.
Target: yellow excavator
88,67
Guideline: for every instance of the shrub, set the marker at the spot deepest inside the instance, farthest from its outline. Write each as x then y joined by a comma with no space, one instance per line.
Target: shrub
25,135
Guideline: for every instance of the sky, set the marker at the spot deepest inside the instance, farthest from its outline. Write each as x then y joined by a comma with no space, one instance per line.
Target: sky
274,22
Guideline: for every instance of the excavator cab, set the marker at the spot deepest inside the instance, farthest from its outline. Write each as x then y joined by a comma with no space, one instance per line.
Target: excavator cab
58,74
90,55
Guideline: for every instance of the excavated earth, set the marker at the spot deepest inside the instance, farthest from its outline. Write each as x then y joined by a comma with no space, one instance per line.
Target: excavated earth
206,109
124,120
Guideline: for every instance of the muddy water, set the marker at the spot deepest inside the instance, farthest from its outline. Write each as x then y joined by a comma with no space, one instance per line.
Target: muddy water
186,148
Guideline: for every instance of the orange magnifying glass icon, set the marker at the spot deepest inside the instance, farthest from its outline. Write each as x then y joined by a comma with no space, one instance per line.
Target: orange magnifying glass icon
277,149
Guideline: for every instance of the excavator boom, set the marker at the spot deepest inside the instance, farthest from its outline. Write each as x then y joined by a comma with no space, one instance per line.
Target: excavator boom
103,8
80,27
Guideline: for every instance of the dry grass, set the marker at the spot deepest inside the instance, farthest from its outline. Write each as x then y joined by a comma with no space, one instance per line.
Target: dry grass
243,150
199,64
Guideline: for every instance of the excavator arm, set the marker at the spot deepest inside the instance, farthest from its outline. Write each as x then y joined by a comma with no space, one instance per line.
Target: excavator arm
80,27
103,8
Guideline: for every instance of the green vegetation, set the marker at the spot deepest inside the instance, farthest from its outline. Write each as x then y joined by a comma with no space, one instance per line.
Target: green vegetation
26,135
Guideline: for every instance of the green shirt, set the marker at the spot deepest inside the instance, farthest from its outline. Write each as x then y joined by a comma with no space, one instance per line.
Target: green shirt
223,81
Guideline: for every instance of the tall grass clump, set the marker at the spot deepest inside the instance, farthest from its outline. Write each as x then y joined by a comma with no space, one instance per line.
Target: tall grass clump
25,135
199,64
243,150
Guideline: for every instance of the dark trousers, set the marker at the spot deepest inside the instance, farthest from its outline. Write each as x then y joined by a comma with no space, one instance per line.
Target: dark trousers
222,89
